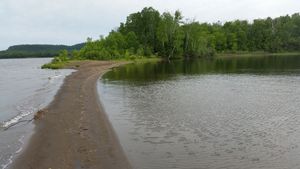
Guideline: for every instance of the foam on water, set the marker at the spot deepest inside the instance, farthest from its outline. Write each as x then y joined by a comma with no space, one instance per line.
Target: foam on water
10,159
26,109
15,119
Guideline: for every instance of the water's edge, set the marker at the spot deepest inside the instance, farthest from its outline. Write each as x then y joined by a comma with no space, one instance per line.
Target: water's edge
16,131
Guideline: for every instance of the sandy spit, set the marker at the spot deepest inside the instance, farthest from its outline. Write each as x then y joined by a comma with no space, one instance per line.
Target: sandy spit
74,132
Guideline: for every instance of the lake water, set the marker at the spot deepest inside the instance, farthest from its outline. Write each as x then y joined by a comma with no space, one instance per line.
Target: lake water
229,113
24,89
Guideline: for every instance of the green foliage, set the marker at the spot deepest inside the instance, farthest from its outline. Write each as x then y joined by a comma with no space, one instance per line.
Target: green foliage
148,33
58,61
53,65
197,41
170,35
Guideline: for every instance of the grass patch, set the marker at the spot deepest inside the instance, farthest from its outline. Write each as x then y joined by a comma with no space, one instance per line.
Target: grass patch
54,65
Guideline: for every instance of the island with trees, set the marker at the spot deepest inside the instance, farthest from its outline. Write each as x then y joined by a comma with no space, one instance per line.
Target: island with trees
167,35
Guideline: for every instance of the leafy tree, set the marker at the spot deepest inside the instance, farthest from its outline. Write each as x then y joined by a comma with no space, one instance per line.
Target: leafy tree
170,35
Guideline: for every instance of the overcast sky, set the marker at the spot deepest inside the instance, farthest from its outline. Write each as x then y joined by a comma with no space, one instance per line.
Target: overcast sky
72,21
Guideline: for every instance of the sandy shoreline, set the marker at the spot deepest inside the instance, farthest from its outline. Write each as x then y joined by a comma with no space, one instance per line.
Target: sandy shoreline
74,131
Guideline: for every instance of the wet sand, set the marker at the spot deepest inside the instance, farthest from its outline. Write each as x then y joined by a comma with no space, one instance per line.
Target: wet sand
73,132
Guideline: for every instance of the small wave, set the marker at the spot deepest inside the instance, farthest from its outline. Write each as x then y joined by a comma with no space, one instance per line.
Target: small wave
54,77
24,109
21,141
10,159
15,119
4,166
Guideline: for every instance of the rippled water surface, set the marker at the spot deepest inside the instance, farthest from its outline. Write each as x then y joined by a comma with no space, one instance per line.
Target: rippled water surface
24,89
218,114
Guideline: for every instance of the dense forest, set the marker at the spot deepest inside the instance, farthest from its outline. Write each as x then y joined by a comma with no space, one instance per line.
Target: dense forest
167,35
26,51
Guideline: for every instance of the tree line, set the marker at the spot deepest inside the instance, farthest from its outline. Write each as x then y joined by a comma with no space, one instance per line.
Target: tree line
149,33
32,51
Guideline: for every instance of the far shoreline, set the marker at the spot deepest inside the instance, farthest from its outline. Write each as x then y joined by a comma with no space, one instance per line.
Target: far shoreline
255,54
217,55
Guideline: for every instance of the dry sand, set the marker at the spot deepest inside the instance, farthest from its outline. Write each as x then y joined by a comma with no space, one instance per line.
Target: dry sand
73,132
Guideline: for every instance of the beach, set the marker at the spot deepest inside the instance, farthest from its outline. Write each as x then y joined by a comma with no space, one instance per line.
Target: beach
74,130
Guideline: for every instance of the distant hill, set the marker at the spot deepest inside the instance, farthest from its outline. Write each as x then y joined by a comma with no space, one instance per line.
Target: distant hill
36,50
